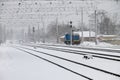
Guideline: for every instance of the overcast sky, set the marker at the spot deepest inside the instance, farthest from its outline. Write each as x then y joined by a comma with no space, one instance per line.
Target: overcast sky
111,6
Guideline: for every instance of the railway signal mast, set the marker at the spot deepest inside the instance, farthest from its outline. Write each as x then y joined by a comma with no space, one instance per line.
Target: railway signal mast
34,34
71,32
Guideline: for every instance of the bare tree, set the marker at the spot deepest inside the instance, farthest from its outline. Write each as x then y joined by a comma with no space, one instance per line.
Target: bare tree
62,29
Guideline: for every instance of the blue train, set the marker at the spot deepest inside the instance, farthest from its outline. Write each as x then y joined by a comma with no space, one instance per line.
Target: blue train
75,39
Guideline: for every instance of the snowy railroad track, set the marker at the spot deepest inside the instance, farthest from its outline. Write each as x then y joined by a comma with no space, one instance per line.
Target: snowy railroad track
55,63
80,52
86,48
107,72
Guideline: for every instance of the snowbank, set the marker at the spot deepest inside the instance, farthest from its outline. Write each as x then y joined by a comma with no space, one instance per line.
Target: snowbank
92,44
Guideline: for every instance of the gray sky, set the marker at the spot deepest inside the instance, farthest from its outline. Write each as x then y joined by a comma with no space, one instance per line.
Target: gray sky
112,7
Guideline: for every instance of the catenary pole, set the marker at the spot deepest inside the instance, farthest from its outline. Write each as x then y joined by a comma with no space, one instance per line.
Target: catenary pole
96,27
82,40
57,30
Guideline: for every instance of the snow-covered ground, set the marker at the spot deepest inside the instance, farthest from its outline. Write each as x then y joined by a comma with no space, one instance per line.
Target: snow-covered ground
100,45
108,65
92,44
18,65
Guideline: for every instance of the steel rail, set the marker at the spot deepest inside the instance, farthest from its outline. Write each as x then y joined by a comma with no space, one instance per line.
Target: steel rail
74,62
56,64
79,52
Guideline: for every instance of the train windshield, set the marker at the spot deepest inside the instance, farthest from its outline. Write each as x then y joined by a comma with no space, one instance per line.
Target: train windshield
76,37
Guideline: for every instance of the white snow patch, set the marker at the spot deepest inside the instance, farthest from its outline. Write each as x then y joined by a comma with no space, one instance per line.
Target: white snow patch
92,44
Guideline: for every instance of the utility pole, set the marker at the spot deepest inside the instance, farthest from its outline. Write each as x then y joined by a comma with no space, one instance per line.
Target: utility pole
89,30
96,27
4,34
71,32
38,35
43,29
82,39
57,30
34,34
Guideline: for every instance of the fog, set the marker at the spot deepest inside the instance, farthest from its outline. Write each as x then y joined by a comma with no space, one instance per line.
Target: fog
18,17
